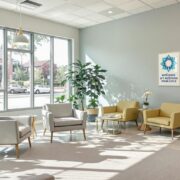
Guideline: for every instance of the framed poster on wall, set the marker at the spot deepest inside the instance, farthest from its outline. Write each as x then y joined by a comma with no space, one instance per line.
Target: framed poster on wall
169,69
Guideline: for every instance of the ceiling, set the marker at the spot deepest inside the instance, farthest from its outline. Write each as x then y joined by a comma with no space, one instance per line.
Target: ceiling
85,13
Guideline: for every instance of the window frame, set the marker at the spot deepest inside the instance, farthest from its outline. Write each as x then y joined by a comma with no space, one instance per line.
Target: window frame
31,51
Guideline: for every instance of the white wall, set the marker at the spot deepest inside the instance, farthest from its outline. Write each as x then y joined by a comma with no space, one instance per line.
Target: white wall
34,24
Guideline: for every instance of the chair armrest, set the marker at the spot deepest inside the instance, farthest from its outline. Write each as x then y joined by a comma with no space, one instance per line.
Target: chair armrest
150,113
47,118
9,133
130,114
175,120
109,109
82,115
23,120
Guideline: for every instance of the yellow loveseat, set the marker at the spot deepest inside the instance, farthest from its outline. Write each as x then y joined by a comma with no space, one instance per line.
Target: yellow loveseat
168,116
124,110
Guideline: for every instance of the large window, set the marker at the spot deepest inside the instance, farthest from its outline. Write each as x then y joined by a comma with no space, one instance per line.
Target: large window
26,70
1,71
18,79
19,68
60,66
41,69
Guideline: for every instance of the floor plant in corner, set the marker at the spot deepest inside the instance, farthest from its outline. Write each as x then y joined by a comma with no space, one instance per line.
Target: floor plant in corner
87,81
95,88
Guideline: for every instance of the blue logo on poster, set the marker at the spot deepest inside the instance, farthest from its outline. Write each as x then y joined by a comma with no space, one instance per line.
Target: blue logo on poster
168,63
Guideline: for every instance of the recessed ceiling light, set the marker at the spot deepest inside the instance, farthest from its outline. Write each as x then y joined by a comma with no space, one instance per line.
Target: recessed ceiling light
111,12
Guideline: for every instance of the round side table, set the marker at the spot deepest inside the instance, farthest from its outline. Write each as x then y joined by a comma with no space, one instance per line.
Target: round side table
142,126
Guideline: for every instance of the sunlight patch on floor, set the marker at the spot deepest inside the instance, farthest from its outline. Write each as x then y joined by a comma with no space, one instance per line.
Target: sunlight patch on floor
86,175
59,164
28,173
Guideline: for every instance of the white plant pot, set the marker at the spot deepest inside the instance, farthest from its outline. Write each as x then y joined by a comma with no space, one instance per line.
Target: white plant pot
145,106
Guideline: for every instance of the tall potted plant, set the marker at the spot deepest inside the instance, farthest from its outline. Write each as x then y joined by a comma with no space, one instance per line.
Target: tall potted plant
87,80
95,88
77,75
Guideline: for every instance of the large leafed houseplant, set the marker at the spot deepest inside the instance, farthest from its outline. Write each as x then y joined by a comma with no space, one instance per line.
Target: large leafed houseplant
87,81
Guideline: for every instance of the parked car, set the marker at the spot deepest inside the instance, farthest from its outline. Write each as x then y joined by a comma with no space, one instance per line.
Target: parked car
40,89
14,88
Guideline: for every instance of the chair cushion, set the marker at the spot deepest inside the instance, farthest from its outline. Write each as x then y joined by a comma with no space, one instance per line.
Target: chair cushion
23,130
159,120
67,121
60,110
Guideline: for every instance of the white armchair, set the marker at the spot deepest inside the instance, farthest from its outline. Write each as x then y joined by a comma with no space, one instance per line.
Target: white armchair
61,117
15,129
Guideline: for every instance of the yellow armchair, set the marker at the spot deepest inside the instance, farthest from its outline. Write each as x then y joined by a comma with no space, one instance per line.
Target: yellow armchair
126,110
168,116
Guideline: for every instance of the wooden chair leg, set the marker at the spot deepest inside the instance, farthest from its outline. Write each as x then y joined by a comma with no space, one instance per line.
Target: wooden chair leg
51,136
136,122
102,124
124,125
84,133
172,133
17,151
70,135
29,140
144,128
44,132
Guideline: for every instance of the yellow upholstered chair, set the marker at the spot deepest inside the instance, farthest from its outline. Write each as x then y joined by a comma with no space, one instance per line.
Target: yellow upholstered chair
167,116
125,110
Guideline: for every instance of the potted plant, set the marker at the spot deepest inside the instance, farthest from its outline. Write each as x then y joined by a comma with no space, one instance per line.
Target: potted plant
87,80
145,96
95,88
60,99
77,75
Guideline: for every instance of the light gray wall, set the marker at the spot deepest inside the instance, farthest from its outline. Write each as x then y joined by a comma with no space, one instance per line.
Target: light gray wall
129,48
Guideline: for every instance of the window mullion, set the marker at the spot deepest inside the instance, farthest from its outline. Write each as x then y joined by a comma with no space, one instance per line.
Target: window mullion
32,71
51,70
5,71
70,61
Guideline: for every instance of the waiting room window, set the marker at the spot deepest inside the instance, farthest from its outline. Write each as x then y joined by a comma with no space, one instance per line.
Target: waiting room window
18,80
61,61
41,69
32,65
18,71
1,70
